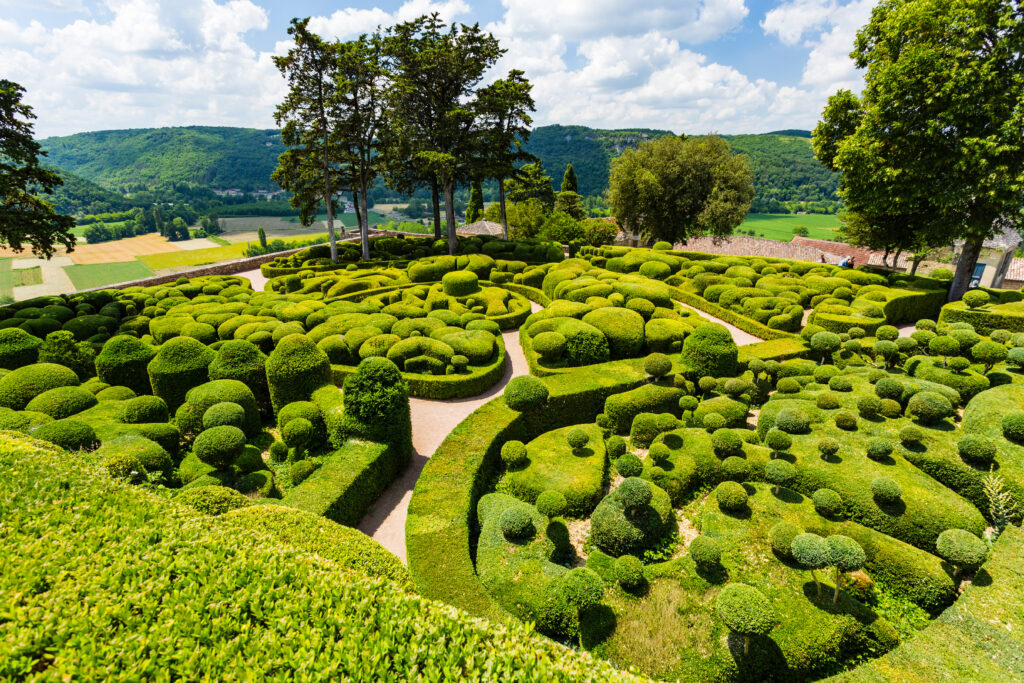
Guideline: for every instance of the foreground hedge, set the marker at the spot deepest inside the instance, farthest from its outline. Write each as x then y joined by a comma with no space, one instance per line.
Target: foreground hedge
180,596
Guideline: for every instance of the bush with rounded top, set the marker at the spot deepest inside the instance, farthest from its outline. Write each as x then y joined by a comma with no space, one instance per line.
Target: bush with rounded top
726,443
778,440
135,458
516,523
657,365
460,283
869,406
706,552
736,468
745,611
662,245
300,471
18,348
19,387
634,493
846,420
976,298
911,435
707,384
577,438
212,500
218,447
377,403
710,351
962,549
615,446
846,555
809,551
1015,357
887,333
779,473
179,365
788,385
827,401
525,393
731,496
825,344
582,588
889,387
792,421
886,490
1013,426
876,374
989,353
224,413
976,449
891,408
943,345
71,435
713,422
878,448
550,346
781,538
144,409
551,503
295,369
629,465
828,447
278,451
840,383
513,454
198,400
929,407
828,503
297,433
823,373
629,572
61,402
242,360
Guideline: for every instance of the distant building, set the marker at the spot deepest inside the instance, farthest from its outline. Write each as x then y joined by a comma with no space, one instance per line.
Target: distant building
996,256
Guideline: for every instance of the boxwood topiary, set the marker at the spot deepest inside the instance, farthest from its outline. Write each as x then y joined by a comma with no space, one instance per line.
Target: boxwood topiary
976,449
726,443
18,348
705,552
615,446
517,523
123,361
736,468
306,410
242,360
550,346
911,435
793,421
781,538
224,413
827,401
525,393
788,385
629,465
878,448
657,365
846,420
219,446
71,435
62,402
296,368
629,572
828,447
886,491
632,518
889,387
1013,426
300,471
745,611
460,283
551,503
136,459
212,500
962,549
713,422
779,473
929,407
869,407
778,440
828,503
810,551
840,383
710,351
179,365
731,496
297,433
201,398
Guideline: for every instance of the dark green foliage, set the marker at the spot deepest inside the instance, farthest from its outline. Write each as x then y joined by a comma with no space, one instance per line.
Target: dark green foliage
212,500
629,572
300,471
144,409
731,496
778,440
124,361
297,433
889,387
296,368
710,351
657,365
623,523
577,439
71,435
976,449
551,503
1013,426
840,383
61,348
460,283
525,393
582,588
615,446
18,348
911,435
929,407
745,611
846,420
179,365
886,491
224,413
647,426
200,399
219,446
810,551
781,538
962,549
828,447
513,454
828,503
779,472
726,443
241,360
62,402
629,465
706,552
516,523
869,406
20,386
879,449
792,421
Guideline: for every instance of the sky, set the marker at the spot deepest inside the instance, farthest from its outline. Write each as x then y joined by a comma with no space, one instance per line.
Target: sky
689,66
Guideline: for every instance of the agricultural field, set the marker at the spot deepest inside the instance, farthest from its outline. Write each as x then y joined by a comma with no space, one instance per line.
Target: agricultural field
779,226
693,467
89,276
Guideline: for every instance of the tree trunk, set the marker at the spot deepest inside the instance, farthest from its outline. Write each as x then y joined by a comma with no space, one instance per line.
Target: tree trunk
449,212
359,216
965,268
896,261
839,577
885,258
364,222
504,216
436,203
916,262
817,584
746,645
328,195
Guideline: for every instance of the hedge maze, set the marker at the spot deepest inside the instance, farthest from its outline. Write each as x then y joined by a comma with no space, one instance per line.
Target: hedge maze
839,499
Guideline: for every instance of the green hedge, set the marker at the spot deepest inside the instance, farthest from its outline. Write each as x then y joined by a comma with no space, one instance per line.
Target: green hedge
214,600
774,349
990,317
741,321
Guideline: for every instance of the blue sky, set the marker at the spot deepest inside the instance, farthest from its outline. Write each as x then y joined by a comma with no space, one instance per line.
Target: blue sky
693,66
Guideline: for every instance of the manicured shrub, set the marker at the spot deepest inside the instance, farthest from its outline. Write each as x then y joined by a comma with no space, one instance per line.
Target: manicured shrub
179,365
124,361
840,383
911,435
516,523
198,400
460,283
706,552
876,374
779,473
976,449
726,443
824,344
778,440
61,402
713,422
731,496
745,611
824,373
944,346
577,439
811,552
61,348
551,503
71,435
878,448
629,572
845,420
781,538
135,459
828,447
18,348
278,451
219,446
976,298
224,413
989,353
929,407
707,384
1015,357
212,500
887,333
891,408
634,493
792,421
889,387
19,387
735,468
581,588
242,360
1013,426
869,407
377,406
886,491
657,365
846,555
144,409
615,446
828,503
788,385
297,433
300,471
659,453
513,454
525,393
296,368
550,346
827,401
710,351
629,465
962,549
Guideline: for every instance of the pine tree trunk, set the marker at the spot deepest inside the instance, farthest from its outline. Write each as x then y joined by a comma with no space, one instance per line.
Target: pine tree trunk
359,216
504,216
449,201
965,268
435,197
364,221
328,195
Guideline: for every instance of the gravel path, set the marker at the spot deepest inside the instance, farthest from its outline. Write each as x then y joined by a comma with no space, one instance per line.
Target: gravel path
739,336
255,278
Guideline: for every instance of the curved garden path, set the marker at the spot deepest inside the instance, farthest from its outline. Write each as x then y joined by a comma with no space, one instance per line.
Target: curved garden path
739,336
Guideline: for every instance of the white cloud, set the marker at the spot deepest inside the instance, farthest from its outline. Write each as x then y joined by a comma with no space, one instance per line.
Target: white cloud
790,21
350,22
54,5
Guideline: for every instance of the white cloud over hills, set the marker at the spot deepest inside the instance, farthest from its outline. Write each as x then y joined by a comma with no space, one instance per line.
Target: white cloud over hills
145,63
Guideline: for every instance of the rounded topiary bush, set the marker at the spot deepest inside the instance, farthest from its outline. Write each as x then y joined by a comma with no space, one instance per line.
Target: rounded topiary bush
516,523
144,409
706,552
657,365
550,346
911,435
615,446
713,422
242,360
123,362
634,493
778,440
551,503
179,365
869,407
726,443
297,433
629,572
212,500
219,446
962,549
828,447
19,387
731,496
513,454
135,458
295,369
779,473
828,503
886,491
628,465
878,448
736,468
460,283
827,401
788,385
793,421
745,611
929,407
525,393
976,449
1013,426
845,420
709,351
976,298
300,471
198,400
224,414
840,383
889,387
18,348
62,402
577,438
781,538
71,435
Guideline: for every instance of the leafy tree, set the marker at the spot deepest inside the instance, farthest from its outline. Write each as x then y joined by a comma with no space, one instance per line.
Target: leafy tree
746,611
26,217
524,218
475,209
531,182
673,188
933,147
310,116
569,183
561,227
571,203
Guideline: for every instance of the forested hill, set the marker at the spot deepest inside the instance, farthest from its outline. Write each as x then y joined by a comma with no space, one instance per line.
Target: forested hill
149,158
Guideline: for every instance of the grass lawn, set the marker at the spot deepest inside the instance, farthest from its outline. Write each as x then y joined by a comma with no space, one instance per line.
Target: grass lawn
101,274
6,278
779,226
196,257
23,277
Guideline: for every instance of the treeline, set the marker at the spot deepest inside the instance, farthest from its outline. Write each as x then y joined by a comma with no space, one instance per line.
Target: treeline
171,222
787,176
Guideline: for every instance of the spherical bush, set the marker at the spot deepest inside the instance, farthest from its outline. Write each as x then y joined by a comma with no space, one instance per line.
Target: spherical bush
856,332
525,393
976,449
878,448
735,468
629,572
20,386
278,451
550,345
788,385
840,383
846,420
629,466
825,343
710,351
615,446
943,345
976,298
144,409
61,402
657,365
889,387
551,503
745,610
891,409
911,435
71,435
513,454
844,553
887,332
224,413
659,453
212,500
297,433
218,447
828,503
1013,426
793,421
581,587
577,438
726,443
731,496
460,283
707,384
713,422
886,490
962,549
876,374
779,472
688,404
778,440
135,459
706,552
929,407
823,373
827,401
516,523
634,493
828,447
958,364
809,551
869,407
781,538
300,471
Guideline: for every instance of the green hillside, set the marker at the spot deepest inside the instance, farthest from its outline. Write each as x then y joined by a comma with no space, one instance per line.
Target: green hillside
80,196
785,169
162,157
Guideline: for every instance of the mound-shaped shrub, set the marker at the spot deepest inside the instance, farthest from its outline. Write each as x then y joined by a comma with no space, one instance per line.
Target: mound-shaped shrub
781,538
224,414
135,458
525,393
18,348
71,435
710,351
460,283
203,397
62,402
631,519
929,407
124,361
295,369
179,365
144,409
242,360
219,446
623,328
731,496
746,612
212,500
19,387
828,503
